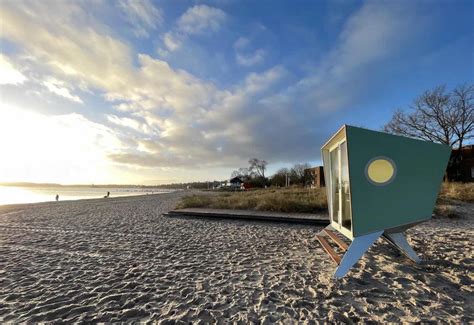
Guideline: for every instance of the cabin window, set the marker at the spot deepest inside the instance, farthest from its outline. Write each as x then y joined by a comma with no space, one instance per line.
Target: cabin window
380,170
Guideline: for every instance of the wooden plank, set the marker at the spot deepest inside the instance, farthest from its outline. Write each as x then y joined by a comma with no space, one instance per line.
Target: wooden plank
338,240
299,218
332,254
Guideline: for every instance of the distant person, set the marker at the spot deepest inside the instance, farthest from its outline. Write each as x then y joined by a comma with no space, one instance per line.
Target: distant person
108,194
57,197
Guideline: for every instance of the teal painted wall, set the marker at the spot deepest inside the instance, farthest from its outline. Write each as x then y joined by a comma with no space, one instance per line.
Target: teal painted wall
410,197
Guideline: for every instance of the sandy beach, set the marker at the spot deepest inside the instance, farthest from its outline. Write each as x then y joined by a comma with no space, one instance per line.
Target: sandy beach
118,259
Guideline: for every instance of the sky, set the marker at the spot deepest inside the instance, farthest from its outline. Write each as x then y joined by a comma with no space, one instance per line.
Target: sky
154,92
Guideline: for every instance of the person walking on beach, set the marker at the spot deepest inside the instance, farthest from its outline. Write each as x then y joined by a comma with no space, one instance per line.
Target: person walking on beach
57,197
108,194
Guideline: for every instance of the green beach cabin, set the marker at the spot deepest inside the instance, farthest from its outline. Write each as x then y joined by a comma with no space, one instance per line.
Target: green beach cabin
379,184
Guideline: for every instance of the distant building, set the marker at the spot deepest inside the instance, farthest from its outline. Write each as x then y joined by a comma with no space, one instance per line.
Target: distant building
236,182
314,177
246,186
461,165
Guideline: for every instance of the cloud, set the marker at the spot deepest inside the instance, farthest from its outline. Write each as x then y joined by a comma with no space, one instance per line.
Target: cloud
57,87
171,42
375,33
241,43
131,123
243,54
8,73
250,59
362,43
218,134
200,19
197,20
181,120
142,15
58,41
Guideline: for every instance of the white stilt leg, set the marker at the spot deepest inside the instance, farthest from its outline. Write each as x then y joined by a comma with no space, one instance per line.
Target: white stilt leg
355,251
399,241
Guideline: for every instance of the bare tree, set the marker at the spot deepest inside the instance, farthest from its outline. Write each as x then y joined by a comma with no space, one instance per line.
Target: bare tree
297,173
257,167
462,103
429,120
438,116
279,178
241,172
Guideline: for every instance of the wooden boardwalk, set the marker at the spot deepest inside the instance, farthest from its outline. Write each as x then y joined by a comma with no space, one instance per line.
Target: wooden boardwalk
321,219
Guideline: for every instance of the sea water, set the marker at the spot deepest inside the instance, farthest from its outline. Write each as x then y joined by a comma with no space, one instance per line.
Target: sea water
33,194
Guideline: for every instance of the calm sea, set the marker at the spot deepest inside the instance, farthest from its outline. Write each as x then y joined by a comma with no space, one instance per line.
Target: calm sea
18,194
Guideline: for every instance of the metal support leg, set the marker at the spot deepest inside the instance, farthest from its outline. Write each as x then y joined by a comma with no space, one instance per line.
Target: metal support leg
399,241
357,248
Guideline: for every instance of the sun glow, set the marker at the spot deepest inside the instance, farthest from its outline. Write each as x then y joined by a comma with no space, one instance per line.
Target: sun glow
8,74
62,149
14,195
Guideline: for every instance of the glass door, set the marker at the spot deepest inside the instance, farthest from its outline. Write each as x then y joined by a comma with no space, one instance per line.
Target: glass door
346,219
335,183
340,190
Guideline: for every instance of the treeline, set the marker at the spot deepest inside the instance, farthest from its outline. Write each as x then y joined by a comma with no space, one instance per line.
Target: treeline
291,176
255,174
194,185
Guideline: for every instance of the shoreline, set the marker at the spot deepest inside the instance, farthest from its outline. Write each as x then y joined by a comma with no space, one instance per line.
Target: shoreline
88,198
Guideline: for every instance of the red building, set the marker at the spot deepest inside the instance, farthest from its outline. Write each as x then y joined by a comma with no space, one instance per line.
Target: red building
461,165
314,177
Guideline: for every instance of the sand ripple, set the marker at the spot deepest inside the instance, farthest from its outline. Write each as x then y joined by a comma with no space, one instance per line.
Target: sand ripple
119,260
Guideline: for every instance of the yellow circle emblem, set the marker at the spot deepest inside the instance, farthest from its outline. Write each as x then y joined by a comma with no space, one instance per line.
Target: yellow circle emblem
380,171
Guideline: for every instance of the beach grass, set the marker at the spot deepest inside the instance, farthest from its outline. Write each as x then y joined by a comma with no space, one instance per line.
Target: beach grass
451,194
294,199
297,199
457,191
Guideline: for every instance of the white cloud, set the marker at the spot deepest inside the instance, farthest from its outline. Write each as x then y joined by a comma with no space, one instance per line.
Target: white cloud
58,87
171,42
250,59
217,133
142,15
244,55
257,82
8,73
376,32
162,53
82,54
200,19
372,33
241,43
129,123
187,121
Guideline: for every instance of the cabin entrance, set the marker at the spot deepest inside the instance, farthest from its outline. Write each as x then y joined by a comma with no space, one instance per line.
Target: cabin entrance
340,190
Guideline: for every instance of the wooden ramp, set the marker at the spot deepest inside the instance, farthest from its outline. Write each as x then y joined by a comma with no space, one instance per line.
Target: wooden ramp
299,218
336,258
336,239
329,250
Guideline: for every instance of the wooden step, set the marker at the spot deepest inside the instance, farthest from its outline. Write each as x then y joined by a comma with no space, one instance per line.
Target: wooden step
332,254
336,239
